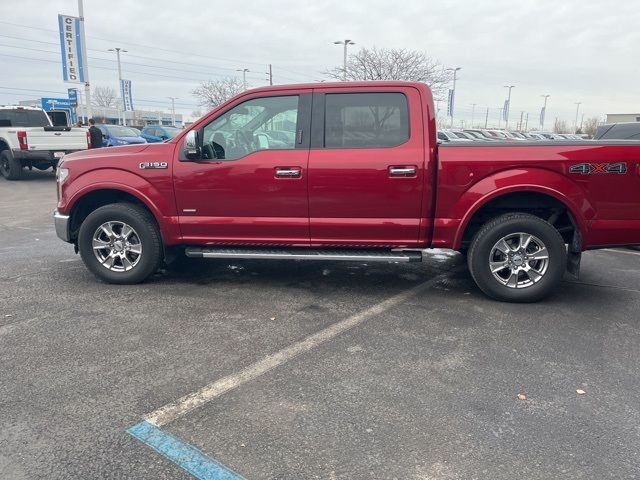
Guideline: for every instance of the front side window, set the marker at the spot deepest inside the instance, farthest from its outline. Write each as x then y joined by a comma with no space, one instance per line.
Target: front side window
366,120
267,123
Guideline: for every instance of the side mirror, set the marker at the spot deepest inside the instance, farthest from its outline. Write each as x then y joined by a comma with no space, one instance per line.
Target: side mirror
191,146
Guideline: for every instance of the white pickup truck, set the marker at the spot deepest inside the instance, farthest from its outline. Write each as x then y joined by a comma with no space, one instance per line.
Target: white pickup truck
27,139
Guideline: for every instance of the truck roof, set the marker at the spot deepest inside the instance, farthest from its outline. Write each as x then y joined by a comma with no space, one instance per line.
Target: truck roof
18,107
370,83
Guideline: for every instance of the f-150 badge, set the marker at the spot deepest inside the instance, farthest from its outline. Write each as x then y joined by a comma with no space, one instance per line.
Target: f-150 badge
148,165
595,168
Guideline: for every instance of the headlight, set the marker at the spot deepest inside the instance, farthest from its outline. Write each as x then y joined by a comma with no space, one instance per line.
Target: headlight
61,175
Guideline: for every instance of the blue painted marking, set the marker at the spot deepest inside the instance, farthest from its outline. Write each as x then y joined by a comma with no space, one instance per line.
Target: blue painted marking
182,454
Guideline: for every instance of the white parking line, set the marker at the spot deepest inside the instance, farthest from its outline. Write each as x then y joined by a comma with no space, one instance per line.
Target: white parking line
628,252
172,411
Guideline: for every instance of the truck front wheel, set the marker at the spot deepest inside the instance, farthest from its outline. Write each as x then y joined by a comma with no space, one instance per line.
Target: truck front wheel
10,168
120,243
517,257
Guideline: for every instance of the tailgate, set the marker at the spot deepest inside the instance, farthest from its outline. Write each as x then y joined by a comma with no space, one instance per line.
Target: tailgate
39,139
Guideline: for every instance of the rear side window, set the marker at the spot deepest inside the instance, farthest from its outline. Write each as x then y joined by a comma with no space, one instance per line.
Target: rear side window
365,120
23,118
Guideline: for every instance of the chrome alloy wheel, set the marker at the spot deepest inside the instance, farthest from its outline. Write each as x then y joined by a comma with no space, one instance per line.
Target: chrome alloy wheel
117,246
519,260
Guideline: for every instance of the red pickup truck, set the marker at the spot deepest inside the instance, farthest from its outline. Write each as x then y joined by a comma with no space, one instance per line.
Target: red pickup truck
348,171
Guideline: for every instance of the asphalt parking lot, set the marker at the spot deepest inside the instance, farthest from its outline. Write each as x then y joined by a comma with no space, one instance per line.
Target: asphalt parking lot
408,371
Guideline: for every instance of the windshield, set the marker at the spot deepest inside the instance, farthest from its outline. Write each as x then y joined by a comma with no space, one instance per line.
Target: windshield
172,131
23,118
118,131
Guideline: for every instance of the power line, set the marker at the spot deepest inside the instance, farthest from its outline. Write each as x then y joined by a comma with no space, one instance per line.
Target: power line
235,61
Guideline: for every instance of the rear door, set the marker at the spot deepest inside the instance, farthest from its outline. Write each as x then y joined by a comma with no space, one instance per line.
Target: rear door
366,167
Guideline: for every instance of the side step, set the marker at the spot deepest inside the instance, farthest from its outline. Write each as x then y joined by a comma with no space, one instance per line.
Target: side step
361,255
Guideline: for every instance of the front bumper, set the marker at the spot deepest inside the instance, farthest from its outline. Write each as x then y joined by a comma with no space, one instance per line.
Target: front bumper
61,223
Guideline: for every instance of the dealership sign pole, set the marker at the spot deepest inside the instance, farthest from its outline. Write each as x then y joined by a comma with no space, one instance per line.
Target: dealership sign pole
87,86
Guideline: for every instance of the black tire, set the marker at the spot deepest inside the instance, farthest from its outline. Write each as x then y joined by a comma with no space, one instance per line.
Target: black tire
10,168
482,249
147,235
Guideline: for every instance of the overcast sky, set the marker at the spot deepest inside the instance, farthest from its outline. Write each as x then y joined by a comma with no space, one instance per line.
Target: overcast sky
574,50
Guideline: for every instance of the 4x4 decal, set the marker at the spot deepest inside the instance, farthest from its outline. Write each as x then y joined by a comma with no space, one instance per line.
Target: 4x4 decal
595,168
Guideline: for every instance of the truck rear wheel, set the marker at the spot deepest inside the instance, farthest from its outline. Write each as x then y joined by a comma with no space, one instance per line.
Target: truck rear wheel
120,243
517,257
10,168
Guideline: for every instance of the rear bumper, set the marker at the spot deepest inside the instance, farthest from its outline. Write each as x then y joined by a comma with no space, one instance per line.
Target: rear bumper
61,223
39,155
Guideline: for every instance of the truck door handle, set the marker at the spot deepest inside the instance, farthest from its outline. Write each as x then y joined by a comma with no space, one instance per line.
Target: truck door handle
288,172
404,171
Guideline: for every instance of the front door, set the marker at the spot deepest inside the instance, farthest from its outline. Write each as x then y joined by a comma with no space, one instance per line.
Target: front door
250,186
366,167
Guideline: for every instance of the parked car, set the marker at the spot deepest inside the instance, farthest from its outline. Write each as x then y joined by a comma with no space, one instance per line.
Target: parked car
448,136
468,136
116,135
350,188
481,134
29,140
159,133
618,131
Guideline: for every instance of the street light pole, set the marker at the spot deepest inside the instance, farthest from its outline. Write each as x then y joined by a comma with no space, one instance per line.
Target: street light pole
118,50
346,43
244,76
506,113
576,122
544,111
173,110
453,91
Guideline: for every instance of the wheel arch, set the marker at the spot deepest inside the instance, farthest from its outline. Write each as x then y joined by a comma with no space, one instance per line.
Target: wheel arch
532,198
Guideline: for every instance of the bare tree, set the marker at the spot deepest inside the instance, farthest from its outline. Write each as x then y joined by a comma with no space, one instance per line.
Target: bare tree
395,64
104,97
212,93
590,126
561,126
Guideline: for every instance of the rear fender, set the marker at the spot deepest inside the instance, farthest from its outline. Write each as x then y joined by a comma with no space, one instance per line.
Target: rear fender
523,180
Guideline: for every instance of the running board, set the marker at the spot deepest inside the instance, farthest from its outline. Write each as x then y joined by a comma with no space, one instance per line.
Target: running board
361,255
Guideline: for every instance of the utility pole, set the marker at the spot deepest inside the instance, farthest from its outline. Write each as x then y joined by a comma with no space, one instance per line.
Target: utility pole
508,106
118,50
346,43
544,111
526,122
453,91
83,39
486,118
520,124
244,76
270,75
576,122
473,111
173,110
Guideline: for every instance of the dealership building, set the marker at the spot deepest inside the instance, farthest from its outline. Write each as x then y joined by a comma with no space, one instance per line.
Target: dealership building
623,117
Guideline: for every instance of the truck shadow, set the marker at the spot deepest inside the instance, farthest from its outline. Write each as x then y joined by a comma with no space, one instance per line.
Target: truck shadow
351,276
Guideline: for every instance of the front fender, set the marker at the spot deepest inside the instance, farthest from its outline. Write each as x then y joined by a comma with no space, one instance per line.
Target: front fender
537,180
156,194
